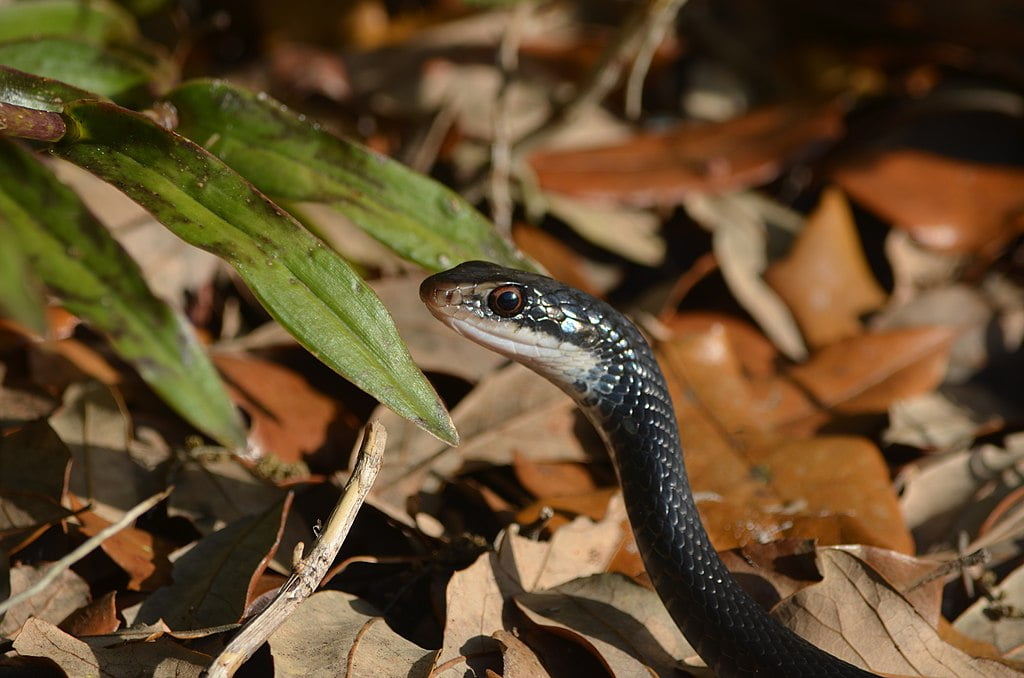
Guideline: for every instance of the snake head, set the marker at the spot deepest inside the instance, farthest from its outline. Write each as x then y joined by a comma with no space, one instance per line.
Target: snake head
548,326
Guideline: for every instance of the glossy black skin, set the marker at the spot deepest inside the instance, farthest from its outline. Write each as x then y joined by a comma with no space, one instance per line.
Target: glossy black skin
626,398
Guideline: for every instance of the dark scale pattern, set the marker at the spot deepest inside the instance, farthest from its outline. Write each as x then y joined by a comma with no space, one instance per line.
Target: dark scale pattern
625,396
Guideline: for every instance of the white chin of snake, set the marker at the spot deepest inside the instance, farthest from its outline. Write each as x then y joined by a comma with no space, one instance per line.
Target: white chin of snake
558,361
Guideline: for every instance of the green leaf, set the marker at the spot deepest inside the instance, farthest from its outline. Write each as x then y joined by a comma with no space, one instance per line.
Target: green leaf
308,288
96,280
21,294
32,91
291,159
95,20
112,72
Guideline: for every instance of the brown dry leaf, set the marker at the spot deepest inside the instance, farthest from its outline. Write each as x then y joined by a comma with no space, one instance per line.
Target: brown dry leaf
162,658
337,634
96,618
870,372
142,555
774,570
664,168
553,478
970,311
858,616
517,659
757,356
825,279
476,596
944,203
741,239
33,478
632,233
754,484
104,472
213,581
626,625
592,504
67,593
290,419
512,410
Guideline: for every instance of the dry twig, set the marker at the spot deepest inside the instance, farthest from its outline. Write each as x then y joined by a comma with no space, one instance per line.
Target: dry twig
309,571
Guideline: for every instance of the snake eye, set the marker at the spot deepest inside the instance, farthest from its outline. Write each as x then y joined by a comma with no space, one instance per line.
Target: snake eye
507,300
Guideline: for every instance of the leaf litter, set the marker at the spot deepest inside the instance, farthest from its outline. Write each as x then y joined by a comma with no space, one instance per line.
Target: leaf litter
834,296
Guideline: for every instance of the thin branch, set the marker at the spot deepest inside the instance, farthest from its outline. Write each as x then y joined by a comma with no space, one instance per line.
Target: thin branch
85,549
309,572
662,17
501,150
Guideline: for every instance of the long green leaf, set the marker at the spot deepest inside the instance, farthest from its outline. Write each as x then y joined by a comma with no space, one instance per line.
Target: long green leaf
291,159
309,289
21,294
32,91
77,258
114,72
95,20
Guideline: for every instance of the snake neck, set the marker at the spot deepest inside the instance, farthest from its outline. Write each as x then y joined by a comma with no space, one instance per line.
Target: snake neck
626,398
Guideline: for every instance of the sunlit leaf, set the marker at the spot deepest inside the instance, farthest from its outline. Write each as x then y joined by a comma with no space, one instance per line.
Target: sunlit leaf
95,20
311,291
291,159
114,72
80,262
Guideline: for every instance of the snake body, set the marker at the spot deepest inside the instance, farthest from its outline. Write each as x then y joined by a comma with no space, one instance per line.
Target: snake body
597,356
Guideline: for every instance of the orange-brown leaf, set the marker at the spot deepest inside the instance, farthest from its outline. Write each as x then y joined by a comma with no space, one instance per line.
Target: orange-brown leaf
825,279
945,203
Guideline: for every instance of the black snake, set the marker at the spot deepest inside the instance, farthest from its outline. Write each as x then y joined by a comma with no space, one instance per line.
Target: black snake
599,358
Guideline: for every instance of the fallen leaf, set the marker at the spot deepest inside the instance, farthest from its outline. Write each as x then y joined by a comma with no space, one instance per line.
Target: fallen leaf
625,624
631,233
33,477
552,479
966,310
517,659
867,373
825,279
753,482
844,616
213,581
98,432
476,596
946,420
64,595
945,203
663,168
337,634
757,355
512,410
96,618
142,555
291,419
740,243
162,658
